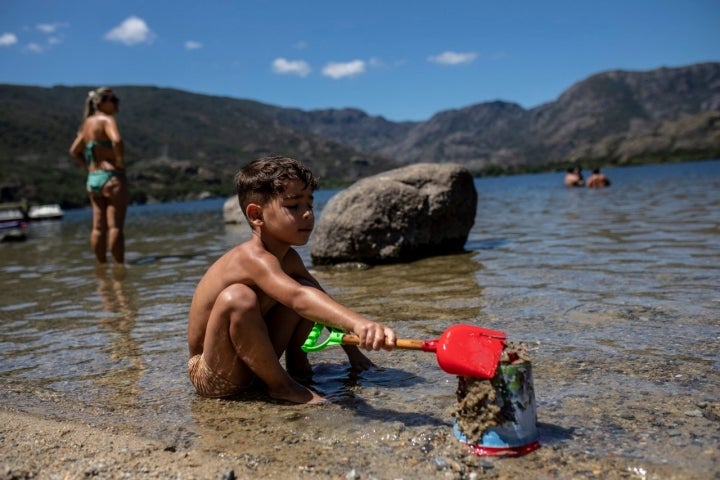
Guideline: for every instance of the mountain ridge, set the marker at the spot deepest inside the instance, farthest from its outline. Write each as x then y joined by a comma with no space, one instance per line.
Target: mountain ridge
182,145
605,108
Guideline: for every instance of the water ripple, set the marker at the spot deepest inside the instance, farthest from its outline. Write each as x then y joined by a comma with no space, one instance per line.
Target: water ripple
614,292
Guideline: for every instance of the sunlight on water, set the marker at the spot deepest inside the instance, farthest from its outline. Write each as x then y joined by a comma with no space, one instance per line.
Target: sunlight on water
614,291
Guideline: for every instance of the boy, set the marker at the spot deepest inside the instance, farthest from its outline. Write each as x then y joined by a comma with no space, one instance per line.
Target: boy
258,300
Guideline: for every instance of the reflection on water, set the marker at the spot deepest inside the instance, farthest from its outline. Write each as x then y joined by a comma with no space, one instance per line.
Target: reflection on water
424,297
614,290
118,299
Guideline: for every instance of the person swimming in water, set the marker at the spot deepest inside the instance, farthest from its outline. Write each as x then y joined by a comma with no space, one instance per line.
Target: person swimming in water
574,177
98,148
598,180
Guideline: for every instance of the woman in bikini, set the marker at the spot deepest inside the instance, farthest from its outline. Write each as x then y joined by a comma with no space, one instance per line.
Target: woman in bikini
98,148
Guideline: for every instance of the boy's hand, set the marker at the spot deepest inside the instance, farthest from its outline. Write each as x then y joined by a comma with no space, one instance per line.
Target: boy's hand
374,336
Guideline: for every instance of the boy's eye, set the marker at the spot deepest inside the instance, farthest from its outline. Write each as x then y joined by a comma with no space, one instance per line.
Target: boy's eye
295,207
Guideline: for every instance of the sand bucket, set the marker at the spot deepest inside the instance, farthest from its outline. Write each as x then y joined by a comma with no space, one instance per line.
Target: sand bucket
517,434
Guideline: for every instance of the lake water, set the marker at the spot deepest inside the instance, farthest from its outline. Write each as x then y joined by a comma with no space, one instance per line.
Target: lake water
615,292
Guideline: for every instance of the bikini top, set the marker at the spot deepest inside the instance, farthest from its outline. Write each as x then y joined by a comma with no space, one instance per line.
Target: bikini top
89,154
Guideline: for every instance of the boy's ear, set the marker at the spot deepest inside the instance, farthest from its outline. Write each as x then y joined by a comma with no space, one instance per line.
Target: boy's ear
253,212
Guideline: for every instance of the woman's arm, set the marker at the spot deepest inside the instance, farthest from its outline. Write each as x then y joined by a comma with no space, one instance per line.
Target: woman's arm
113,133
77,150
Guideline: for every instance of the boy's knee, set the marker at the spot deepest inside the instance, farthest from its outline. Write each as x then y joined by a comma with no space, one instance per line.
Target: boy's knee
237,298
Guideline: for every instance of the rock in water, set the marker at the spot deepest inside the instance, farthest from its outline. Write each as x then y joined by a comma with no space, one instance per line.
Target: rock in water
232,213
404,214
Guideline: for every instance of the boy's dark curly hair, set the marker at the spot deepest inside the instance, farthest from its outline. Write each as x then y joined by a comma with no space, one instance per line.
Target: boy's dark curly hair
265,178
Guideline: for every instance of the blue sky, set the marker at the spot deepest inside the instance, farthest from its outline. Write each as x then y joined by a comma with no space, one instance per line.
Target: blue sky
404,60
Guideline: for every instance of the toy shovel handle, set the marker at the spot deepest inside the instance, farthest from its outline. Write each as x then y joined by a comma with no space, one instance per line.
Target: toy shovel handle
404,343
337,337
313,344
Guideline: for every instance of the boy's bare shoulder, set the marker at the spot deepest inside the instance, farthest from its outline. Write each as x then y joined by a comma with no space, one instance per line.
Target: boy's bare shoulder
245,262
238,254
248,257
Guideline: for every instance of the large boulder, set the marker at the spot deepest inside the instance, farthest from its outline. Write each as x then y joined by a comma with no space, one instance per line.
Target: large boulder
412,212
232,213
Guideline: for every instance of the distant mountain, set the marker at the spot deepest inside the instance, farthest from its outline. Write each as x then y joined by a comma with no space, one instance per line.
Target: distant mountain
613,117
183,145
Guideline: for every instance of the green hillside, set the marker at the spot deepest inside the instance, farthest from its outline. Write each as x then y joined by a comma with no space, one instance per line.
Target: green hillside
182,145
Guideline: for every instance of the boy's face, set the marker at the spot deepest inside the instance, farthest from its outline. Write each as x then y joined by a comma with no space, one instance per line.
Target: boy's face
290,218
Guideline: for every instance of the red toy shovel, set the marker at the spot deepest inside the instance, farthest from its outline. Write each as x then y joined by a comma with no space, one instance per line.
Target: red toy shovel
464,350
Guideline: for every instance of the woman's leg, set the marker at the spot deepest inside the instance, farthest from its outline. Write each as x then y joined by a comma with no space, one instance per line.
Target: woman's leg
98,237
117,194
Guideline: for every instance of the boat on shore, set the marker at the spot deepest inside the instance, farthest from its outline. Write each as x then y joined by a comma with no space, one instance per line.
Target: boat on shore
13,226
45,212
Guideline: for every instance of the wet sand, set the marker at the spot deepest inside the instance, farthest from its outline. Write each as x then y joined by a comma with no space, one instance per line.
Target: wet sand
37,447
242,438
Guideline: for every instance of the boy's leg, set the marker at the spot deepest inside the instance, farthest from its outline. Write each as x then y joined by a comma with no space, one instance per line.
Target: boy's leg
238,345
358,360
288,332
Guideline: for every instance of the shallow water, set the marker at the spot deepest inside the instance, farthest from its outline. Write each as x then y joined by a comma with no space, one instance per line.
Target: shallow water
614,291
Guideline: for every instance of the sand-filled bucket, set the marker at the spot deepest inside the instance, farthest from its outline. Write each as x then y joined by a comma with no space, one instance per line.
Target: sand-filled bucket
498,417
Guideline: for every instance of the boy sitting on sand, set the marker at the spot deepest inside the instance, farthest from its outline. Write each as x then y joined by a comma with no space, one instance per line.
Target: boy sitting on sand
258,300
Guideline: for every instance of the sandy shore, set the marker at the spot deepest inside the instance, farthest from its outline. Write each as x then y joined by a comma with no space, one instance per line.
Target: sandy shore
36,447
39,447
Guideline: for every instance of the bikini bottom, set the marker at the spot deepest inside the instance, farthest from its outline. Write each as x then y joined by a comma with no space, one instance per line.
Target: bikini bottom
97,179
209,383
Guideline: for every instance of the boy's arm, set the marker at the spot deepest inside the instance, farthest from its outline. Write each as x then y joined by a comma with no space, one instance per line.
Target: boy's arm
314,304
356,358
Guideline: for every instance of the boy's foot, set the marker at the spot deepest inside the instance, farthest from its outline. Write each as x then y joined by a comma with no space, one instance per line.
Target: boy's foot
297,393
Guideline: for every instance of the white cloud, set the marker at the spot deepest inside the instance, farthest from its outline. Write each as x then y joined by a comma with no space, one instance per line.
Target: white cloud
453,58
376,62
46,27
7,39
341,70
54,35
301,45
132,31
193,45
34,47
49,28
291,67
